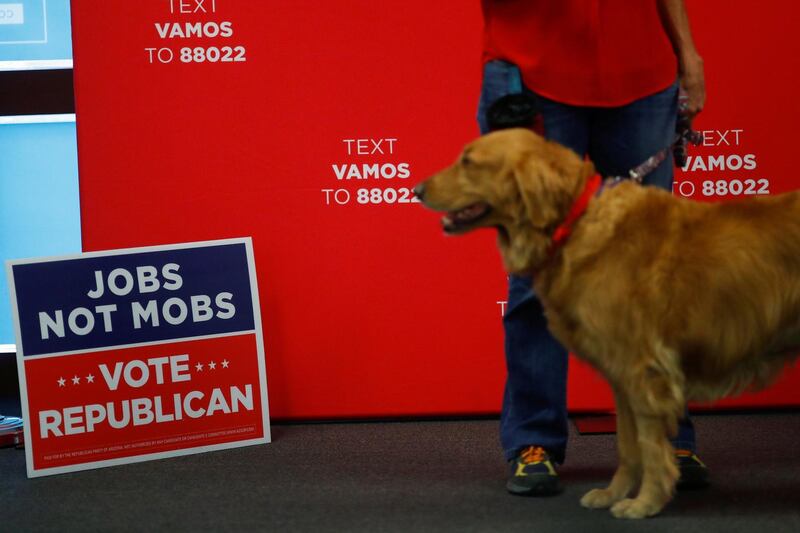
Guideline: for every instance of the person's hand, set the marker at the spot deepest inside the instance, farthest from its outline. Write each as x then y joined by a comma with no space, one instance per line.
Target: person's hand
693,82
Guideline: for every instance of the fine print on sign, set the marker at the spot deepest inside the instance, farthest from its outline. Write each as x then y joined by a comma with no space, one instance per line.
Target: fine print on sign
178,37
141,354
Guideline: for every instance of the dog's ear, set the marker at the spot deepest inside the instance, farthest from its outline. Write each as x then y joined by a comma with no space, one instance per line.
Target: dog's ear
549,181
536,199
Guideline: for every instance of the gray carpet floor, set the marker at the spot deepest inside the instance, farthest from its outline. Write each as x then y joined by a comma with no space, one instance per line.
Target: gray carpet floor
405,476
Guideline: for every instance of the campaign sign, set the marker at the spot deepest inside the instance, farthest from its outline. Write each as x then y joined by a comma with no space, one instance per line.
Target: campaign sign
139,354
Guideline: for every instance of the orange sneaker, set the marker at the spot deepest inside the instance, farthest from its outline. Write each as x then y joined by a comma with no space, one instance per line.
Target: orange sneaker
533,474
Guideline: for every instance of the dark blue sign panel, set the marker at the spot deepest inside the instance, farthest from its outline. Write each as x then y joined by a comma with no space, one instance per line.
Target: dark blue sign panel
132,298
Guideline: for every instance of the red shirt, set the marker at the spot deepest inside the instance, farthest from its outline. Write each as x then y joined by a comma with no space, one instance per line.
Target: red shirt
582,52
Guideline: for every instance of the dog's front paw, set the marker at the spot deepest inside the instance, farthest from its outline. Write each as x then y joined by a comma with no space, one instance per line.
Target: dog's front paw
598,499
634,508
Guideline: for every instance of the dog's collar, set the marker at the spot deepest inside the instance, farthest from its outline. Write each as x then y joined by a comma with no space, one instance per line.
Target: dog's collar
564,230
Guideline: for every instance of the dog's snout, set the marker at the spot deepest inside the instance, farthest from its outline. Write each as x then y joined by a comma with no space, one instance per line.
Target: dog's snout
419,191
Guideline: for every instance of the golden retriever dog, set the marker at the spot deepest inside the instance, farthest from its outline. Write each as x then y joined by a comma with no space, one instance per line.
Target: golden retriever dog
669,299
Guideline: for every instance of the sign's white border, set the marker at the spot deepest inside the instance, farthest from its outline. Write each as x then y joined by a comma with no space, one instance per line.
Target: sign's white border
248,242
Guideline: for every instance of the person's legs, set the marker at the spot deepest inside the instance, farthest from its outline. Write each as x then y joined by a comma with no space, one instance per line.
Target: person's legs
534,401
622,138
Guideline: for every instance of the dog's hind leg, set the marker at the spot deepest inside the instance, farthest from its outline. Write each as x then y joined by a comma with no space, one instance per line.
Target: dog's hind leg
630,466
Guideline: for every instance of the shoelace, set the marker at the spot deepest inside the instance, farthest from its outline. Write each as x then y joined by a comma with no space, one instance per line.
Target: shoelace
533,454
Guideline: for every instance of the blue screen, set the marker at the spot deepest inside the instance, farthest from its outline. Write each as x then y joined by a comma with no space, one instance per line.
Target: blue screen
35,30
39,204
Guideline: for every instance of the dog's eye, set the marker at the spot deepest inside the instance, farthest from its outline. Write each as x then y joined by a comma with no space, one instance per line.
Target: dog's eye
466,161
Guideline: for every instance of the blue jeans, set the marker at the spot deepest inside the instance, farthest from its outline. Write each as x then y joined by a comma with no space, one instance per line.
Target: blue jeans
616,140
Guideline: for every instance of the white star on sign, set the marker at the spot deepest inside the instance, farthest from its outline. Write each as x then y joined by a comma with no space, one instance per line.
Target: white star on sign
199,367
61,382
212,365
225,363
76,380
90,379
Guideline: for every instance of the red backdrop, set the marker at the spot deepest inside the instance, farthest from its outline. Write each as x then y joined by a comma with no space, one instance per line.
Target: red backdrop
368,310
